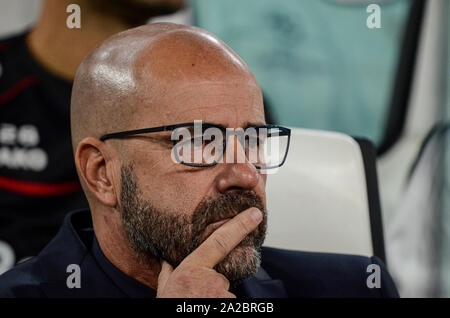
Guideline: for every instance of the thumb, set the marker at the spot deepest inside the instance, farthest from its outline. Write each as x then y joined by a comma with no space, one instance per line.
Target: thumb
164,274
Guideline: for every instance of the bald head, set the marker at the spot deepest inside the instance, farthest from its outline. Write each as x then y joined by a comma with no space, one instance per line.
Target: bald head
131,72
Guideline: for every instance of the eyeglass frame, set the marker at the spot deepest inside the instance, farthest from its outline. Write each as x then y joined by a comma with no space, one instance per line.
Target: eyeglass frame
207,125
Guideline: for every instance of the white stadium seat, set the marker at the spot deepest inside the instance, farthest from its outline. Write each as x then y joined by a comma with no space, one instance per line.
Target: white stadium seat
325,197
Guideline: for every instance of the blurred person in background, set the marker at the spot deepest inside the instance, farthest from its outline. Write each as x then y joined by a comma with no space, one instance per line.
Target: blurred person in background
38,180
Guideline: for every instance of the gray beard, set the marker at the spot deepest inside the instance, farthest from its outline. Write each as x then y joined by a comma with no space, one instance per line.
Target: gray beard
172,236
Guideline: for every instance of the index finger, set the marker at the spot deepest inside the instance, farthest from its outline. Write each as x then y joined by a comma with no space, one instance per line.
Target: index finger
223,240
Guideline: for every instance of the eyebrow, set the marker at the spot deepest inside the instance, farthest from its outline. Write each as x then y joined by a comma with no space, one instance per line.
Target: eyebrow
253,124
246,125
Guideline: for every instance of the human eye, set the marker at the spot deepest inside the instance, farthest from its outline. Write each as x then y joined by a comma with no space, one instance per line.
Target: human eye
252,141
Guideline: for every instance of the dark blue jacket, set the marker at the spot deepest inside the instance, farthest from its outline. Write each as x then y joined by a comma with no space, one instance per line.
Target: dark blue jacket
283,273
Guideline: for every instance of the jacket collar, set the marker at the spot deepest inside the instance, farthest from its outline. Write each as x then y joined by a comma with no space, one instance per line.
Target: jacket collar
261,285
72,246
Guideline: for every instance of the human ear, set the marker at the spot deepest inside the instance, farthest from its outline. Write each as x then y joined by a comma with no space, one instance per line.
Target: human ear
95,169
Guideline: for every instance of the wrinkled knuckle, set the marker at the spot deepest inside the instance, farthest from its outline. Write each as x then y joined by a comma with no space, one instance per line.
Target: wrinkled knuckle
245,226
221,242
184,278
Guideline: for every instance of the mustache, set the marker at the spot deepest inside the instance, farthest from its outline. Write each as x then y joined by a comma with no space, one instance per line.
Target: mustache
225,206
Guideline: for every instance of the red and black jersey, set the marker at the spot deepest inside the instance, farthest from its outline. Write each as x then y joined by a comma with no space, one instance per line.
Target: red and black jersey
38,180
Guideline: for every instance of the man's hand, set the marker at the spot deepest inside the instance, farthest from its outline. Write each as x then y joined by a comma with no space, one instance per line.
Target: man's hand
195,276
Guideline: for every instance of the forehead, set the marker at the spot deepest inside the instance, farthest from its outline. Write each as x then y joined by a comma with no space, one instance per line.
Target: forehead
188,76
228,103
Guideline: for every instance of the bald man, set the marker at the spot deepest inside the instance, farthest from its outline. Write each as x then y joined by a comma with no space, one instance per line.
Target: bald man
163,227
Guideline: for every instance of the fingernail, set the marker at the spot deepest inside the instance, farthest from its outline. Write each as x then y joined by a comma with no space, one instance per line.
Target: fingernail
256,215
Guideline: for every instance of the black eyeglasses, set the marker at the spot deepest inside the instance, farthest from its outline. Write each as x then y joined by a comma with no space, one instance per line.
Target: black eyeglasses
201,144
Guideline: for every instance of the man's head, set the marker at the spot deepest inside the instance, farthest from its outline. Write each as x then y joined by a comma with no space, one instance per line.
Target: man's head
157,75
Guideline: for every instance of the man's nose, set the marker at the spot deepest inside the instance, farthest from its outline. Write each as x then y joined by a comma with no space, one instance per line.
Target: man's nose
239,174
